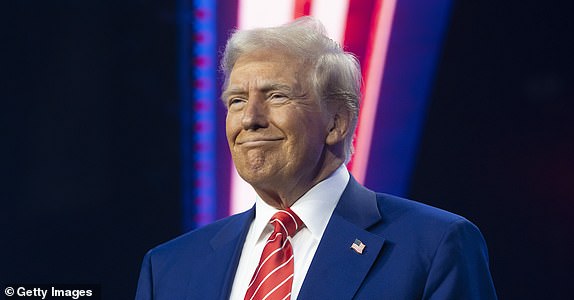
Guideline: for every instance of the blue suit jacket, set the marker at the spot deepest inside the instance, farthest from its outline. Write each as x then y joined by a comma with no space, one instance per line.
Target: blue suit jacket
413,251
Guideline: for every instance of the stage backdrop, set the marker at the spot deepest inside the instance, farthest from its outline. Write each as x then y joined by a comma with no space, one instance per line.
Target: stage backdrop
112,134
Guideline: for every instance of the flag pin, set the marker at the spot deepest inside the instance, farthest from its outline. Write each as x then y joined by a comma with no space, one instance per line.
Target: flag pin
358,246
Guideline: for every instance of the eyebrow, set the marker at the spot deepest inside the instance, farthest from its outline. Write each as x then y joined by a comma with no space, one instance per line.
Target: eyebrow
232,91
265,88
276,87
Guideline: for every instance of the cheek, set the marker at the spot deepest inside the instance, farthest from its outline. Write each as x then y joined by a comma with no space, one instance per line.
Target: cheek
231,127
303,139
308,126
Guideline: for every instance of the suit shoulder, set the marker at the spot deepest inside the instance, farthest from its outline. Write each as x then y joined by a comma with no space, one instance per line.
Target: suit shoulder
395,207
424,227
404,215
445,249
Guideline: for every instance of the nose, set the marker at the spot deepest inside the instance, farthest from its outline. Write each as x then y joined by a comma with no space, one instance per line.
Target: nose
255,115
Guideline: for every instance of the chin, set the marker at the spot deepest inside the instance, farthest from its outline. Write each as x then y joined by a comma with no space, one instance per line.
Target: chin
254,177
259,177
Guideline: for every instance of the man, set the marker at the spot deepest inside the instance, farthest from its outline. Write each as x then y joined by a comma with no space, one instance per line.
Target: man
314,233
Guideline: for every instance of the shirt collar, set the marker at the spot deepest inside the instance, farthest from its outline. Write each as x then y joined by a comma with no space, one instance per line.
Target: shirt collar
314,207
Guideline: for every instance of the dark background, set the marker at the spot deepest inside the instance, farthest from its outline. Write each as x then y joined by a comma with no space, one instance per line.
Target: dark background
498,144
89,144
89,152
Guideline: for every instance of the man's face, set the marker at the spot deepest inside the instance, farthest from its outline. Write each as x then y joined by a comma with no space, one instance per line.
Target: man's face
276,126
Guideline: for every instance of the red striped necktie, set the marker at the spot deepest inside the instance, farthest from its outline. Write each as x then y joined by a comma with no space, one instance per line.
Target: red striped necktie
273,277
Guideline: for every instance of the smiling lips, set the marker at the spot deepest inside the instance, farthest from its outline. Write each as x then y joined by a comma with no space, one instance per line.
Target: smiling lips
256,141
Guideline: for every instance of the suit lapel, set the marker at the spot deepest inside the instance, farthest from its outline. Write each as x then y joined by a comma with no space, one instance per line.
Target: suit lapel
227,245
337,270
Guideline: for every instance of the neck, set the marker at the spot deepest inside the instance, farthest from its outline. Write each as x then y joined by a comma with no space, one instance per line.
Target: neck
284,194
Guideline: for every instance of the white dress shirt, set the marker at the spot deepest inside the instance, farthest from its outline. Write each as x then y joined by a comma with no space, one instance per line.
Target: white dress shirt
314,208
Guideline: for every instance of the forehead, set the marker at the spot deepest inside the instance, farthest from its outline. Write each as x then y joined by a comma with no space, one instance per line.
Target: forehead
266,68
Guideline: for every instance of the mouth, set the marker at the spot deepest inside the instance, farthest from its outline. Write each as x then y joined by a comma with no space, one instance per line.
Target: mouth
257,141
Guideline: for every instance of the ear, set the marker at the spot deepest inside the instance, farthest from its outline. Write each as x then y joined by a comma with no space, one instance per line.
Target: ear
338,126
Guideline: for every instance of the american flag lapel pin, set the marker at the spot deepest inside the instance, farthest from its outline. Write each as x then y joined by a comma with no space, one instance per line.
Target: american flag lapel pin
358,246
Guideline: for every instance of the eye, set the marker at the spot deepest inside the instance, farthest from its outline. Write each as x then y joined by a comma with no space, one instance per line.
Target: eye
235,101
278,97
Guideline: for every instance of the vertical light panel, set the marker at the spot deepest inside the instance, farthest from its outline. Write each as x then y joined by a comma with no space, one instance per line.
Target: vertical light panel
418,28
205,98
264,13
242,194
197,113
333,14
376,57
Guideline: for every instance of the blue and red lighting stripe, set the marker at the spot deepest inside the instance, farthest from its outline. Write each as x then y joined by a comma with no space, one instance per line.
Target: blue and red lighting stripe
198,94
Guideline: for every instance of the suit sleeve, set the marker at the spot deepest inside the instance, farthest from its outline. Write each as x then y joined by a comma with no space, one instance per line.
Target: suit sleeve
145,282
460,269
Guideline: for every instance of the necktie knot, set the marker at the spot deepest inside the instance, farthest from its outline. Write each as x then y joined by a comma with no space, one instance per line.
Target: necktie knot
286,222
